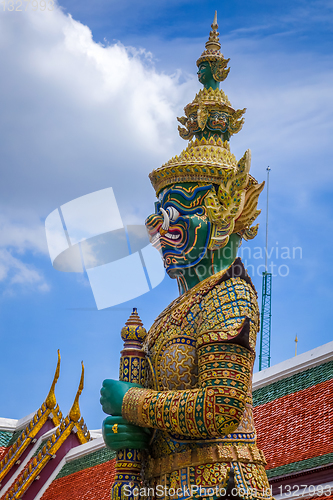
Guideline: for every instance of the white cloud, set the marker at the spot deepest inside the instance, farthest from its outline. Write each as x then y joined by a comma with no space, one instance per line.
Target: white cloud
15,272
23,235
17,239
79,117
83,116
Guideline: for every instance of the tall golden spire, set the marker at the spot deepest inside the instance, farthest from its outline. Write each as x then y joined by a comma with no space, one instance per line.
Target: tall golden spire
75,412
213,42
51,401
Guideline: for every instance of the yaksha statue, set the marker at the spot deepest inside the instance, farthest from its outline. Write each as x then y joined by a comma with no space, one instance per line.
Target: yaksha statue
200,351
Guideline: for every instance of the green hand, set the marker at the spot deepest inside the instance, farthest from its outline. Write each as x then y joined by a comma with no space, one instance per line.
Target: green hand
113,392
119,434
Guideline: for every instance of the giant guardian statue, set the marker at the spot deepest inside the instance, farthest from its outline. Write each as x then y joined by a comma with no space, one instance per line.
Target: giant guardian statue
188,420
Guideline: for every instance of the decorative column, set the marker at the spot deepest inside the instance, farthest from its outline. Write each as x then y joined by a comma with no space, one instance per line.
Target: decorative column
132,369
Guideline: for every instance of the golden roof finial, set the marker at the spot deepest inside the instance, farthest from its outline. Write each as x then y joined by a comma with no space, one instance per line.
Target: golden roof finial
51,401
75,413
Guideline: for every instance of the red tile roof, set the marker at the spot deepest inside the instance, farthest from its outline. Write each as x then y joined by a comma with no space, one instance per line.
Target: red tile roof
93,483
297,426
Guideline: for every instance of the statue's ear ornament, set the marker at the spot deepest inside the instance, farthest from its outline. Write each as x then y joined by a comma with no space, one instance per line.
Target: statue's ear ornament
218,69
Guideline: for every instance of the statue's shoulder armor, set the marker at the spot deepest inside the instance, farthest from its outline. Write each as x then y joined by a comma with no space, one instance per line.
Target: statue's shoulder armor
186,309
225,307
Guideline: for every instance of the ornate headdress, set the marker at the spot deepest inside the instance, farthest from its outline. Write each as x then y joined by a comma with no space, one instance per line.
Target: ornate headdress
212,54
210,118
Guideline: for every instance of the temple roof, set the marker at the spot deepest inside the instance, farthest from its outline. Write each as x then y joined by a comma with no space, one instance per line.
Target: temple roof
89,472
288,434
48,449
293,415
24,436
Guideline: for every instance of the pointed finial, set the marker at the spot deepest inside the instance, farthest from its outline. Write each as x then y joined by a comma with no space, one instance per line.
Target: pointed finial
50,400
296,340
75,412
213,42
133,329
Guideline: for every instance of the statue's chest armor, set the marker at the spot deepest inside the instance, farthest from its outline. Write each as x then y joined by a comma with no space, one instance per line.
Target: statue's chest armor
172,350
176,364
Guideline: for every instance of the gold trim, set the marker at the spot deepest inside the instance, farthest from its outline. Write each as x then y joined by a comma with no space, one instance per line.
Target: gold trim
219,453
212,98
208,161
203,160
132,405
30,473
34,426
50,448
82,431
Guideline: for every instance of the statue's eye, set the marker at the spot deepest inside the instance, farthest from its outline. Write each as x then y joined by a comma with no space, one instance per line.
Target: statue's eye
173,213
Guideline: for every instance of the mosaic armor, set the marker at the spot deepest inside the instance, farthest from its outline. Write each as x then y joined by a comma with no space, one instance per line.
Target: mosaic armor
198,395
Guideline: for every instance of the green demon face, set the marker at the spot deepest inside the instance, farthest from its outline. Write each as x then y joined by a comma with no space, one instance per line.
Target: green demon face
217,123
180,228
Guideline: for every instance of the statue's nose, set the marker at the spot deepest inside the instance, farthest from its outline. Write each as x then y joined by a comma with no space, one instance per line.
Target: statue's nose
153,223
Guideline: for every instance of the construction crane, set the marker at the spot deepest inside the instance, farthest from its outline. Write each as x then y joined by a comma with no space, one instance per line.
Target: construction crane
266,305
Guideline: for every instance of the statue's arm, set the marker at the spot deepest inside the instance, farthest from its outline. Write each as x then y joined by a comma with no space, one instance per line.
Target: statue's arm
215,408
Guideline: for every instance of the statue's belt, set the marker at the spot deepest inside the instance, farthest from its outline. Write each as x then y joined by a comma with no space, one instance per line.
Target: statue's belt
219,453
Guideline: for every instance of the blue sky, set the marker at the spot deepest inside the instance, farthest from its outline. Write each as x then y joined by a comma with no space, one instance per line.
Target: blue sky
90,94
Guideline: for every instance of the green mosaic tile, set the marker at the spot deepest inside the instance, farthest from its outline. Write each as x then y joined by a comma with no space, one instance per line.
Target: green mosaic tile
295,383
39,448
96,458
14,437
310,463
5,437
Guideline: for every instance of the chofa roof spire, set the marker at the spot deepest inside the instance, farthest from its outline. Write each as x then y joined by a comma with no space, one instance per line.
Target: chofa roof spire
75,412
50,400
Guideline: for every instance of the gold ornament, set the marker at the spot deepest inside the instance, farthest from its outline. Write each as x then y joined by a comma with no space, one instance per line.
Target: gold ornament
75,412
206,101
